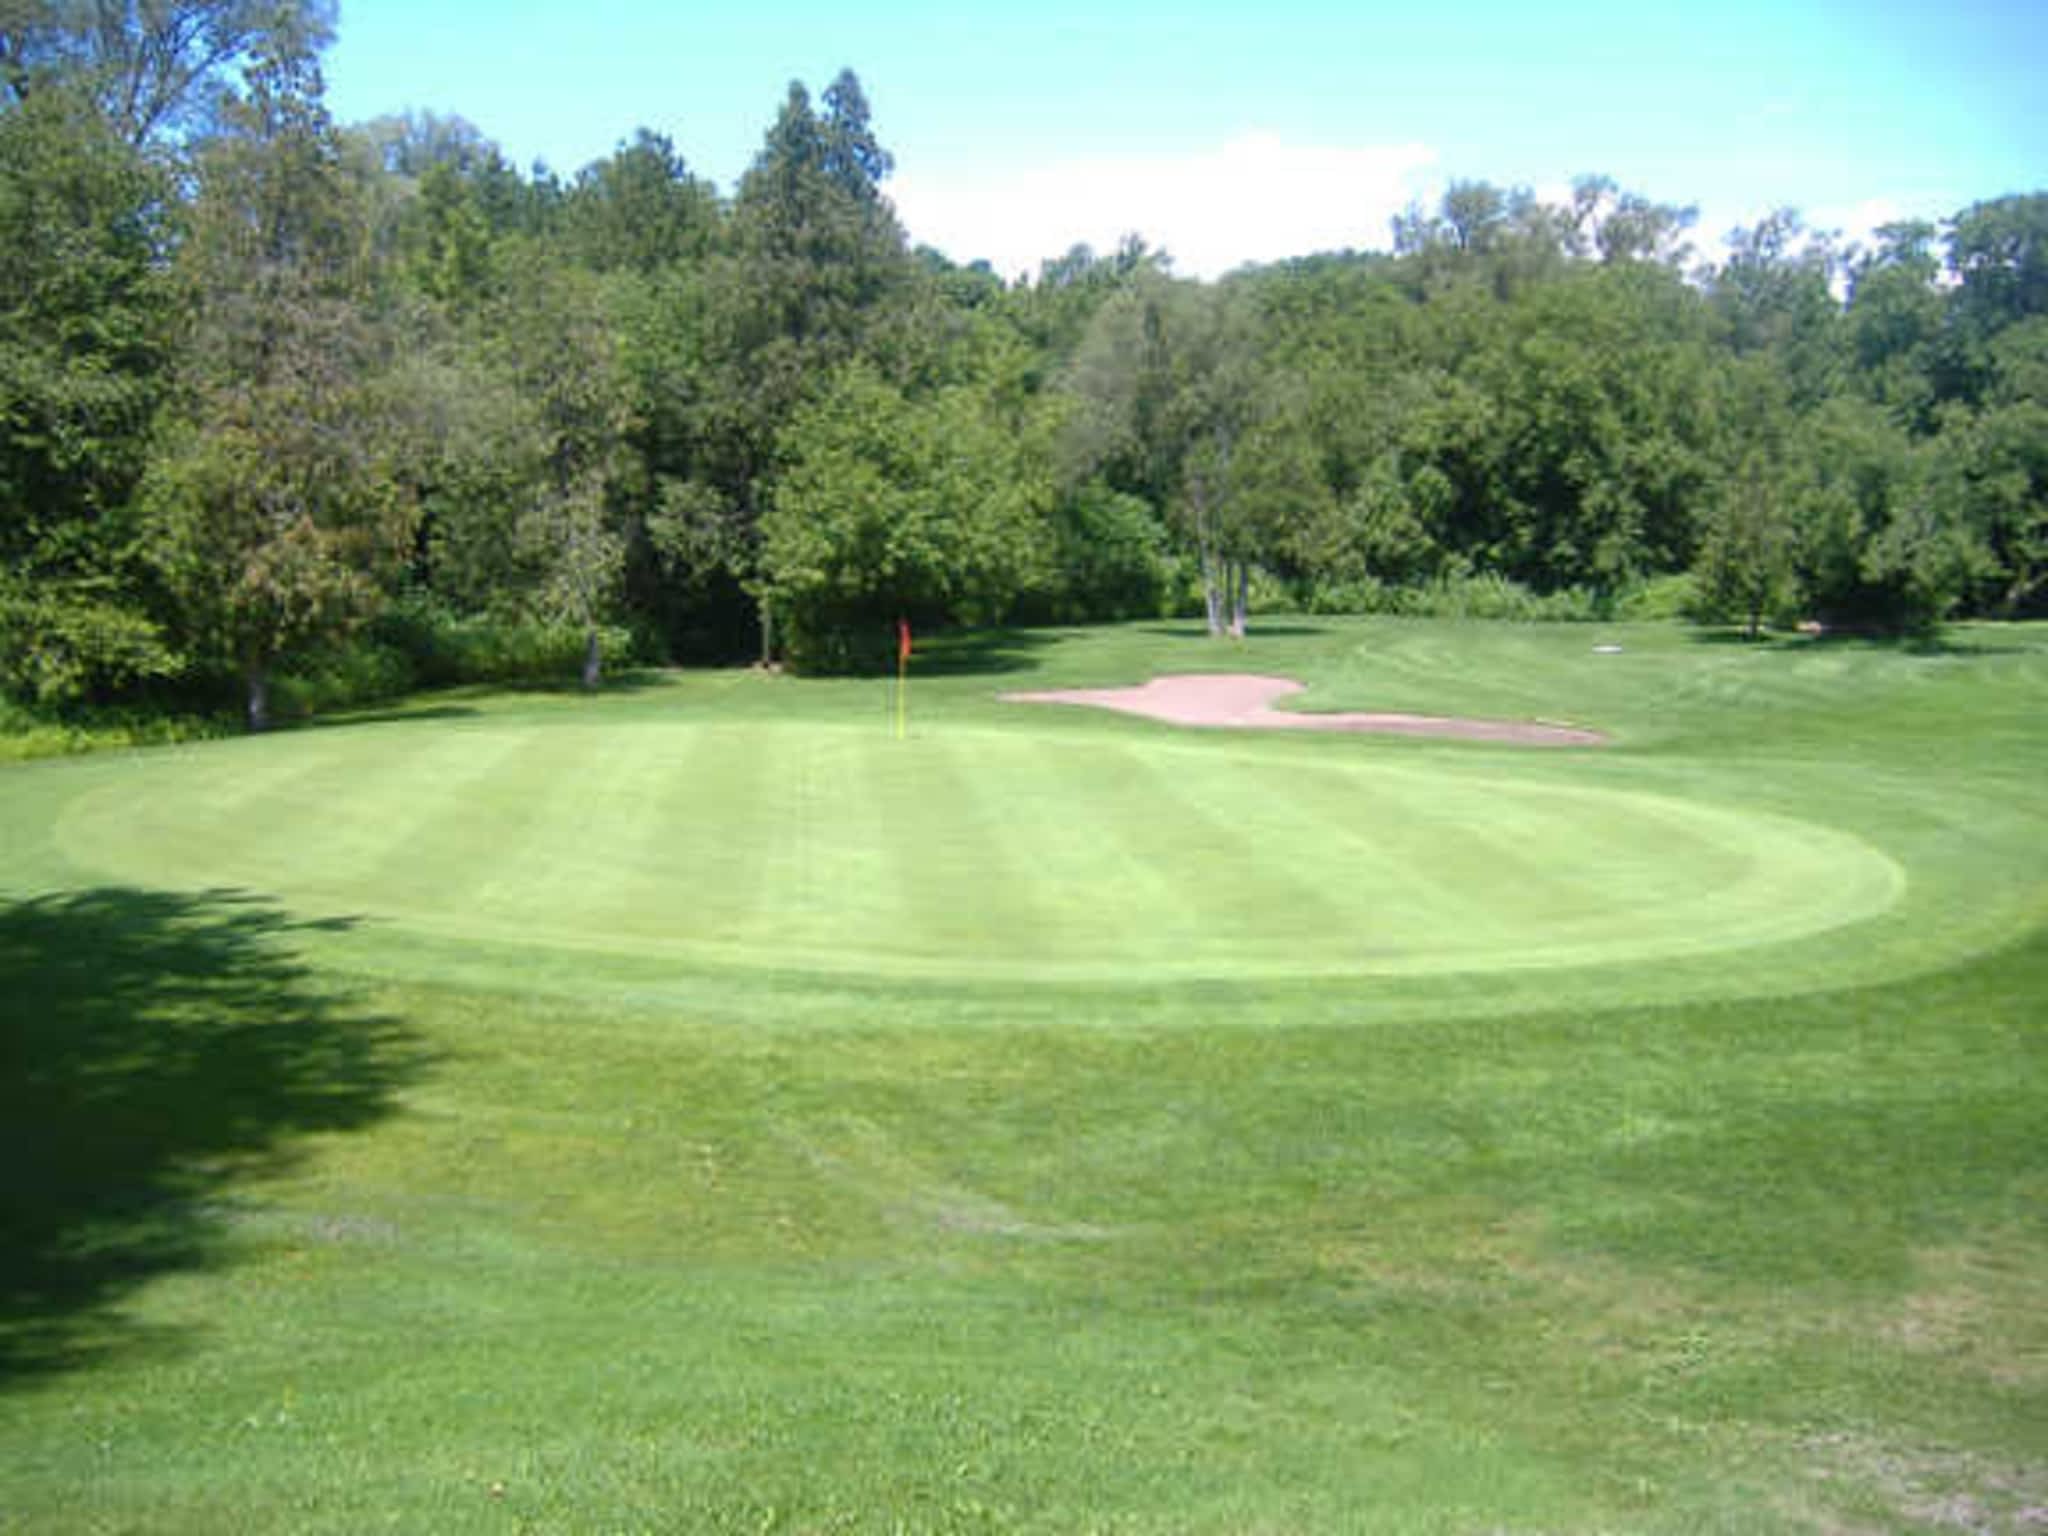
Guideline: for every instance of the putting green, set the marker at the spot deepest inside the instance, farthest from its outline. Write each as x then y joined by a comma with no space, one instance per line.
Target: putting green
976,853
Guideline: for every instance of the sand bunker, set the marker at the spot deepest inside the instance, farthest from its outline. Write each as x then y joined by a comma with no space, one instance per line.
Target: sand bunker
1237,702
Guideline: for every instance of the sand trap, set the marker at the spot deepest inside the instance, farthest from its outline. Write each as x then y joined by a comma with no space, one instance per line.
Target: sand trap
1235,701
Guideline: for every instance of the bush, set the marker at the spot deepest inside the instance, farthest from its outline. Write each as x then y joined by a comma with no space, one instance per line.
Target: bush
821,641
1661,599
27,732
1111,561
341,677
1458,597
443,648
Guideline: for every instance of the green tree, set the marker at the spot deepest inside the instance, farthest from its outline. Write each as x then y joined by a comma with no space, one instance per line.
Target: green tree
272,516
1745,567
84,334
1996,456
891,507
1883,542
1774,295
641,209
1897,320
816,263
1999,253
548,528
1166,392
154,67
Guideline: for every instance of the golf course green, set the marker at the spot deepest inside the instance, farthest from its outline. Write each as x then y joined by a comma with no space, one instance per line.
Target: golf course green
697,1108
972,852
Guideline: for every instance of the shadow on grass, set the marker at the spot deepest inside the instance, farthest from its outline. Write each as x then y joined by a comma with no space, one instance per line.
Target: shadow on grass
981,652
154,1049
627,680
1941,643
392,716
1276,630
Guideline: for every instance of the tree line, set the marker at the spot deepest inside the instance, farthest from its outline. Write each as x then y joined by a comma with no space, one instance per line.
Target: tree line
282,398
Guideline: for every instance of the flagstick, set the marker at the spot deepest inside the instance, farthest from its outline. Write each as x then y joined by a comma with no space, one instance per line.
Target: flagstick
902,688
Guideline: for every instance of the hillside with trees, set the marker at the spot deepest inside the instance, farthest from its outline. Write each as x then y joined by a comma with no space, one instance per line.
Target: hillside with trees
282,398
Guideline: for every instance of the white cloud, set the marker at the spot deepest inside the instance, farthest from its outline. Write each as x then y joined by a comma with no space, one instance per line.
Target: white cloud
1255,198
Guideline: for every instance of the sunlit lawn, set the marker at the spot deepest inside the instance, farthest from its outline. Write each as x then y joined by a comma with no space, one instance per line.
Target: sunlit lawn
693,1109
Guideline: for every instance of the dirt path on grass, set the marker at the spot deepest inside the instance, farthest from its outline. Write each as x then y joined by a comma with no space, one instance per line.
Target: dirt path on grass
1235,701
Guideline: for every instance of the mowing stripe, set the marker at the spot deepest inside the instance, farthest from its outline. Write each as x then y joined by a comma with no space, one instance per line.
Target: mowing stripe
951,884
980,854
1240,889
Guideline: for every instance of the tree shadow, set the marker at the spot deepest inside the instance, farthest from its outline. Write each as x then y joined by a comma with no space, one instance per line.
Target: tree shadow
1743,640
1260,629
155,1049
630,681
1937,643
982,652
399,715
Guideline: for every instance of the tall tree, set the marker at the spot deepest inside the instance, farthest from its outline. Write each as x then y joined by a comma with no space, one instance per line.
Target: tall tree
84,332
817,263
272,516
641,208
1897,321
1745,564
1168,392
156,67
556,342
892,506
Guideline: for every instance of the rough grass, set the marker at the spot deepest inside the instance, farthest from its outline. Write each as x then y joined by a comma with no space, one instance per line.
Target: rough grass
384,1224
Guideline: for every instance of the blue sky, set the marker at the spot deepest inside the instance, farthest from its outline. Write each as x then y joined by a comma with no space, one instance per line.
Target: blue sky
1258,130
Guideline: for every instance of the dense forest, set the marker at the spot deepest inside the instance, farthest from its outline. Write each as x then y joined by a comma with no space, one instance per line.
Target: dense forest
289,404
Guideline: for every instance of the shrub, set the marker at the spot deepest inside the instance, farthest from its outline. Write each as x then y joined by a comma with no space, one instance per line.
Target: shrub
1661,599
443,648
27,732
1458,597
341,677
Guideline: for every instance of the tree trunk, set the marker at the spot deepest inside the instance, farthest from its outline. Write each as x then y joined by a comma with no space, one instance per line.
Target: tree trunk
767,613
593,660
1241,599
258,677
1215,577
1215,587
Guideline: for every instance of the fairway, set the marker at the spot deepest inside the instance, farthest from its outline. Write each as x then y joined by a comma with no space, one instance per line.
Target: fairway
975,853
693,1108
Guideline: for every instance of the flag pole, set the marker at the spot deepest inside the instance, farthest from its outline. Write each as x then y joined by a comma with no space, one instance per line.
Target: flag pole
902,674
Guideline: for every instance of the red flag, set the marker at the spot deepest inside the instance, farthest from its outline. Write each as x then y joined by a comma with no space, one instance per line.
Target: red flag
902,642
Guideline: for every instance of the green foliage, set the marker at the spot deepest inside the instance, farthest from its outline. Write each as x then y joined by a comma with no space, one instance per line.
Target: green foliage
1662,599
1459,596
1882,542
30,731
563,358
441,648
340,676
889,506
1745,570
1111,559
271,518
84,326
255,372
263,540
640,209
59,644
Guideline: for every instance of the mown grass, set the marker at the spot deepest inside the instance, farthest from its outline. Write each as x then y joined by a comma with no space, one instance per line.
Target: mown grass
346,1228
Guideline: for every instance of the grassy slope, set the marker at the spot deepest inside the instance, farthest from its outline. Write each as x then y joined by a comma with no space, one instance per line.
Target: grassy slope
431,1235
